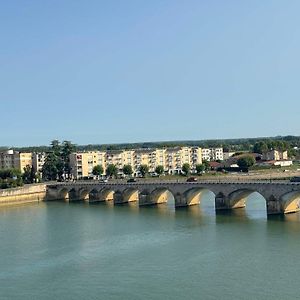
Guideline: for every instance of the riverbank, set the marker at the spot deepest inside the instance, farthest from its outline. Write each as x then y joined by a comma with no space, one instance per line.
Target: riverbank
21,195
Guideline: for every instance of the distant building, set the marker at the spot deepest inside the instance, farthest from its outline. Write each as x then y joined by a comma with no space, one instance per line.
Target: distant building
212,154
13,159
281,163
172,160
82,163
227,155
275,155
38,161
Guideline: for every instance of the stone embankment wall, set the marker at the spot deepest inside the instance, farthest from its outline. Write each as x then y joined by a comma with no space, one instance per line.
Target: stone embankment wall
25,194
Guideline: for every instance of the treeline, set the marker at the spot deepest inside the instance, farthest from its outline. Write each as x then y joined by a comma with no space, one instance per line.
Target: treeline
10,178
243,144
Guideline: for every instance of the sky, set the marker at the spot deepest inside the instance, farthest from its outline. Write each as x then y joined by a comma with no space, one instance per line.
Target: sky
115,71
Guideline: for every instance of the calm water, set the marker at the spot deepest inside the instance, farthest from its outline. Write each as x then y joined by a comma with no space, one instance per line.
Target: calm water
81,251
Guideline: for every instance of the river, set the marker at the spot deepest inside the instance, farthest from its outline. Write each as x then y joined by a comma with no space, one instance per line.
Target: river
59,250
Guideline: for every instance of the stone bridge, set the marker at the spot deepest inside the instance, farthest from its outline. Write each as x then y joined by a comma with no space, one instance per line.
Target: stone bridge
280,197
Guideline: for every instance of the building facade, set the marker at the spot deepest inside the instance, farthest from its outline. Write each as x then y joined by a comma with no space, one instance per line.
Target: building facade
172,160
275,155
38,161
212,154
17,160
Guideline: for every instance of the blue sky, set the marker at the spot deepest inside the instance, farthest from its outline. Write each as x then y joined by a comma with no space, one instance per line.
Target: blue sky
130,71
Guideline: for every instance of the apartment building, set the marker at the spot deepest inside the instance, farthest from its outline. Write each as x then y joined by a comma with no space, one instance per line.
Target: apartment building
82,163
212,154
176,157
144,157
38,161
13,159
172,159
275,155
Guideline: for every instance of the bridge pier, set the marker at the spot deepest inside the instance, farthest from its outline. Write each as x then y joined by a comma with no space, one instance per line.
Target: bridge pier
118,198
180,200
145,199
222,202
274,206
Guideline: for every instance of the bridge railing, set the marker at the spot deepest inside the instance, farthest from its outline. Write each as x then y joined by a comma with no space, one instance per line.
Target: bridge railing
172,182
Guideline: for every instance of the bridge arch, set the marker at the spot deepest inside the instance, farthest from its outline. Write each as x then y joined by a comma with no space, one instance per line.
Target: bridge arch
63,194
193,196
73,195
83,194
130,195
94,195
106,194
160,195
238,198
290,202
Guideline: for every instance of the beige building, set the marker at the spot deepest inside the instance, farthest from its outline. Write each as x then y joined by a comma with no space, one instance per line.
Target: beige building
13,159
275,155
82,163
171,159
176,157
145,157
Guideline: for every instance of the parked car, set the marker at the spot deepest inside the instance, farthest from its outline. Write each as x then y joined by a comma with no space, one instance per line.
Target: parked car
131,180
192,179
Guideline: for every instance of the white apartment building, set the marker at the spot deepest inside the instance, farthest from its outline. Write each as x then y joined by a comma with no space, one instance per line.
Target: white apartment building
38,161
212,154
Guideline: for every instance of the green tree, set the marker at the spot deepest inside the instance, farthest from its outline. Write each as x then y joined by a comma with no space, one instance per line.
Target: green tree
159,170
200,168
29,174
66,149
111,170
56,147
260,147
98,170
144,169
186,169
206,165
10,178
57,162
246,162
52,167
127,170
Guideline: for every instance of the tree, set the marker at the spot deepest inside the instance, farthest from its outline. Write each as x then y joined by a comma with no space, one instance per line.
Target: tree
186,169
111,170
56,147
98,170
144,169
246,162
200,168
206,165
127,170
260,147
66,149
57,162
28,175
159,170
10,178
51,167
